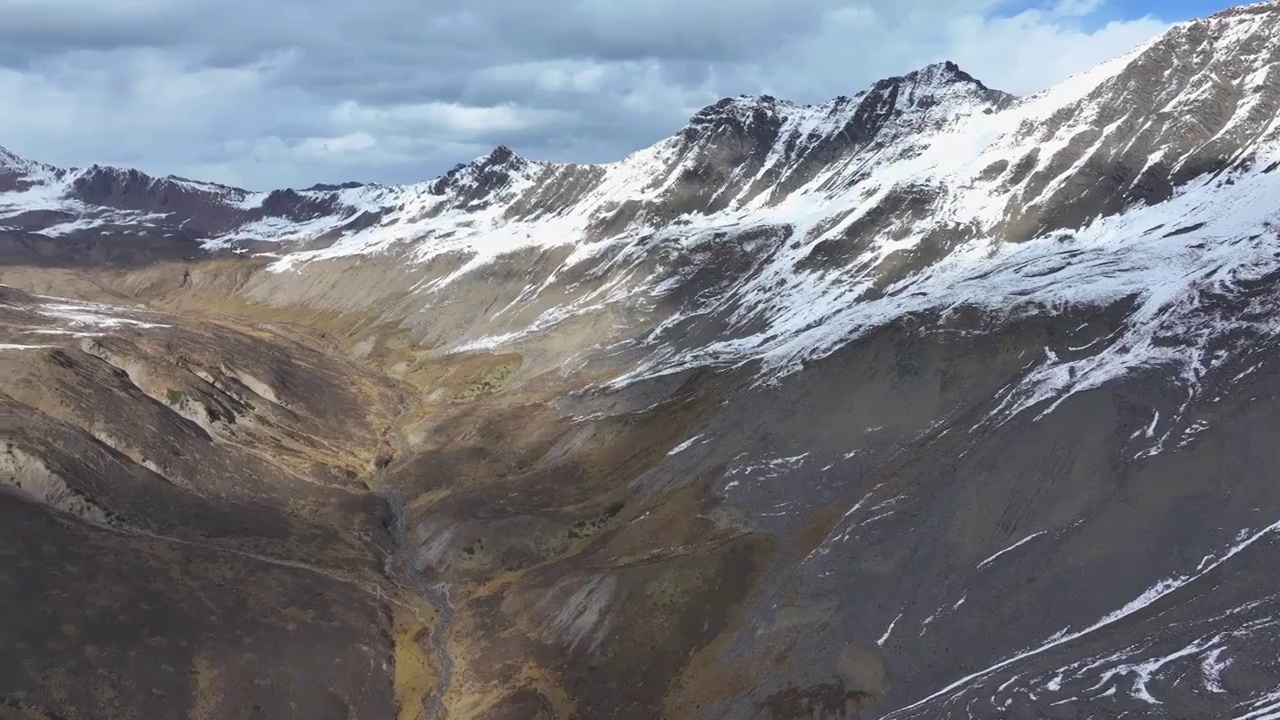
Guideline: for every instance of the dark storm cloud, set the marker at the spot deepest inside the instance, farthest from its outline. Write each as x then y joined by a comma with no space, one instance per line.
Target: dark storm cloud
272,93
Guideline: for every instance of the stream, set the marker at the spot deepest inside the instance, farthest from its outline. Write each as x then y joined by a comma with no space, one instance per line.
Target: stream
399,564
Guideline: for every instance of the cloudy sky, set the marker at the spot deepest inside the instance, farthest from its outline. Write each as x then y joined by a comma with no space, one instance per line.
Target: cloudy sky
271,93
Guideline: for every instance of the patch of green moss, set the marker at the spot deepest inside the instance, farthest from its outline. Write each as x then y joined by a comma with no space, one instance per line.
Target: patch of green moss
490,382
589,527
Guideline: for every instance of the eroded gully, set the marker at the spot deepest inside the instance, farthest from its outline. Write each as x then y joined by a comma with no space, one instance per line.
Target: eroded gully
399,566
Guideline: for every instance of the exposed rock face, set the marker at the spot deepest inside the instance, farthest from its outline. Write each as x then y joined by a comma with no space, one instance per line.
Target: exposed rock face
928,402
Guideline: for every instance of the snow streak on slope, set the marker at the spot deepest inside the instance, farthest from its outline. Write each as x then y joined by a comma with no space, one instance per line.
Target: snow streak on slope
1161,590
61,317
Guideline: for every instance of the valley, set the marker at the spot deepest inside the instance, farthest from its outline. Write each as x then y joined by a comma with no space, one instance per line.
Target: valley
926,402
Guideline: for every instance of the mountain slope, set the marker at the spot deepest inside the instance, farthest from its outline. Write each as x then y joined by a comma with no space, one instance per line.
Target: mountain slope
924,402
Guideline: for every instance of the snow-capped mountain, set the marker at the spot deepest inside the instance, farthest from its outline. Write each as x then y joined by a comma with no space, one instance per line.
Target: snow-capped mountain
922,192
969,393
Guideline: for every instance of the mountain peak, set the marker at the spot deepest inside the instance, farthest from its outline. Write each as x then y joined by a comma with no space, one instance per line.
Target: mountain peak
929,86
1260,8
13,162
17,172
502,154
942,72
474,180
939,75
744,114
935,84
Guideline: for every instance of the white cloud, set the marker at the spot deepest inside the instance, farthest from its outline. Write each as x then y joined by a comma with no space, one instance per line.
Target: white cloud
1030,51
129,99
582,79
453,118
317,147
1019,53
1075,8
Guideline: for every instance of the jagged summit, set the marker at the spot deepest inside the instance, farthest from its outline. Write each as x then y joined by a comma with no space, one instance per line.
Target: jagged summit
938,82
499,157
471,184
18,173
935,79
12,163
933,85
1259,8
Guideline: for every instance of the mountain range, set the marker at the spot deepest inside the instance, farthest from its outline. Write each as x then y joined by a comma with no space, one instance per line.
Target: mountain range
925,402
